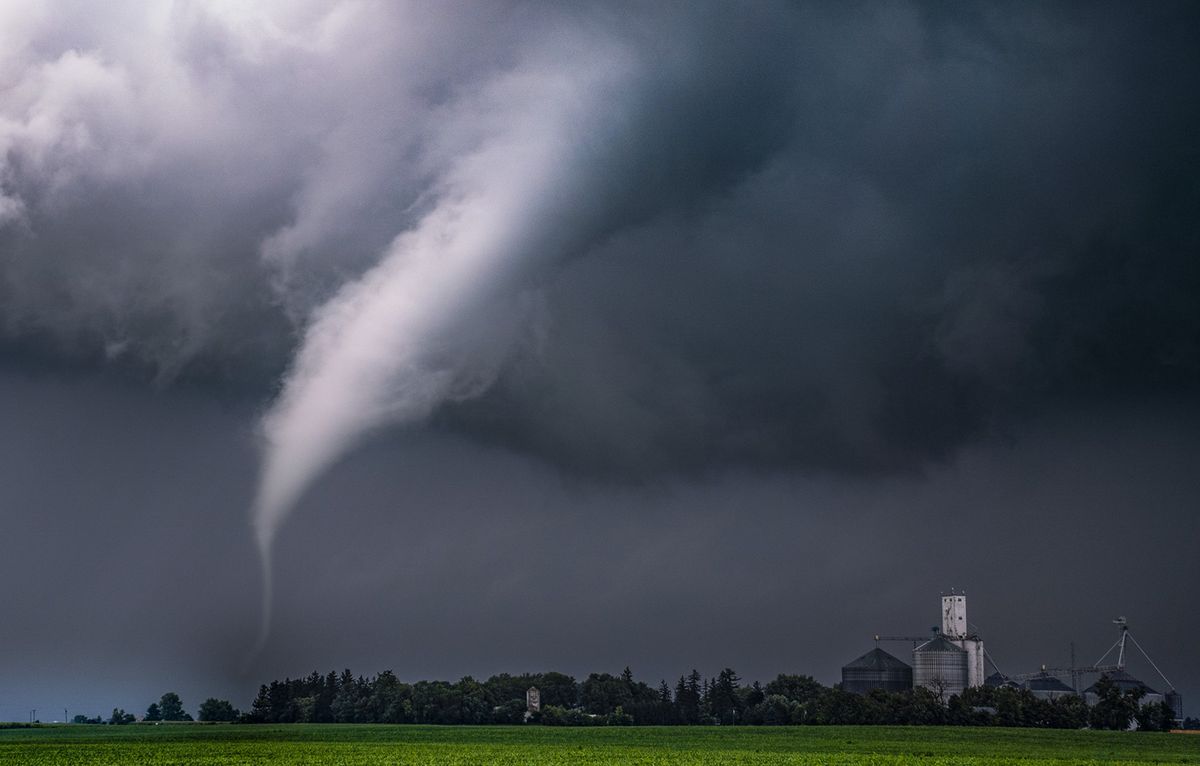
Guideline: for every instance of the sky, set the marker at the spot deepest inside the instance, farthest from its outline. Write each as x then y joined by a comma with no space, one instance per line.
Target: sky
463,339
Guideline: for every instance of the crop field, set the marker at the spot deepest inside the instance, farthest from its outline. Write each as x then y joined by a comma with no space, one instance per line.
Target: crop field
370,745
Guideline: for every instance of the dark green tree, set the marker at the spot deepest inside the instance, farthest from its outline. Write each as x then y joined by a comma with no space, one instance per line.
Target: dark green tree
344,706
152,713
473,707
796,688
213,709
1070,712
1113,710
688,698
260,709
1156,716
603,693
725,704
170,707
556,689
752,695
774,710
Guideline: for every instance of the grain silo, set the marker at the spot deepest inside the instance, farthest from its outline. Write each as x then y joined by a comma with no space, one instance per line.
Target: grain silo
1048,687
1175,702
1124,683
940,666
956,628
876,670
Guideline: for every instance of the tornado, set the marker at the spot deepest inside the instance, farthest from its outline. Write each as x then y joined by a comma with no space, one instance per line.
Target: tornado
433,320
587,138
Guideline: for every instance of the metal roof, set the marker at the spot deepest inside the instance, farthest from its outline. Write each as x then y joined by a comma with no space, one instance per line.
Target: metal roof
938,644
877,659
1047,683
1124,682
998,679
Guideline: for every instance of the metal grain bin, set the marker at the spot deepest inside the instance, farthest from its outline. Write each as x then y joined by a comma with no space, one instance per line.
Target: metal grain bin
876,670
1175,702
940,666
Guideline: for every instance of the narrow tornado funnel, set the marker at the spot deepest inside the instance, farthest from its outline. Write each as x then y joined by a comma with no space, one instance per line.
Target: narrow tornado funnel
434,319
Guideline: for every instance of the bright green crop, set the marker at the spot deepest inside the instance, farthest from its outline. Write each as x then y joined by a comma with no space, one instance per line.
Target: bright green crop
371,745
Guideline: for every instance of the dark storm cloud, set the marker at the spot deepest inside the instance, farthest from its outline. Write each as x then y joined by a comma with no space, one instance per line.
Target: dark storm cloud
851,238
975,217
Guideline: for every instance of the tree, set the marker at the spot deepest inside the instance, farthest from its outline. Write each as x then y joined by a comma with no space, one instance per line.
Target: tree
153,713
119,717
170,707
556,689
512,711
213,709
938,686
773,710
603,693
1113,710
345,701
260,709
752,695
472,701
725,703
1070,712
796,688
1157,716
687,698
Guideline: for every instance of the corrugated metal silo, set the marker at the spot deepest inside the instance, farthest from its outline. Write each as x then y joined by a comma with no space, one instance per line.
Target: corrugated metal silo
1048,687
1175,702
940,666
1124,683
876,670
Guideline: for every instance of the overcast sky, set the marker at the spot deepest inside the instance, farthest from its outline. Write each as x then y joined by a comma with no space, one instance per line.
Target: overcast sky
521,337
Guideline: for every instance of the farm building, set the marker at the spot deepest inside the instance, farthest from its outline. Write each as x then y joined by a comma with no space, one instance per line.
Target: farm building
940,666
1125,682
1048,687
876,670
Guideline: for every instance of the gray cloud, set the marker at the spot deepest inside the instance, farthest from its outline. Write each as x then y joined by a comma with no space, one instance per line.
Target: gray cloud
851,239
972,220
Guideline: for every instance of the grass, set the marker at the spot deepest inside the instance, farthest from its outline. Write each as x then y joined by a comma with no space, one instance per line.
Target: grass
369,745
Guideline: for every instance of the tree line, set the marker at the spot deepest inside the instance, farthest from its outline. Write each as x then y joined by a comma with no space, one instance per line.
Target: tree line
169,709
604,699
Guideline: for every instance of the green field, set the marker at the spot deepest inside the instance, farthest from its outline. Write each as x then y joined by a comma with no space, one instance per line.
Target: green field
370,744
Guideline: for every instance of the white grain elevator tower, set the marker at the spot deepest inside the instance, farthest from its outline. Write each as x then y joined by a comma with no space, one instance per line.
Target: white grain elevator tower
956,629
